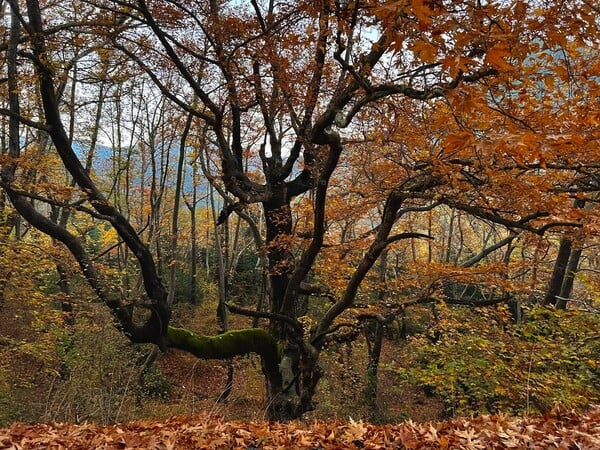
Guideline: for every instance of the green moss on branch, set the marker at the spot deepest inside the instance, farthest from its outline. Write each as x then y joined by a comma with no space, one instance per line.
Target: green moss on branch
229,344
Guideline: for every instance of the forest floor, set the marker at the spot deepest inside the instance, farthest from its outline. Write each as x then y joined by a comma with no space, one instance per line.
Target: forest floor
558,429
192,416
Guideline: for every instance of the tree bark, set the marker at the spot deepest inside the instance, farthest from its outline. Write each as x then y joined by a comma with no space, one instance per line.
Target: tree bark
569,278
222,257
192,207
558,274
278,220
175,216
374,337
564,259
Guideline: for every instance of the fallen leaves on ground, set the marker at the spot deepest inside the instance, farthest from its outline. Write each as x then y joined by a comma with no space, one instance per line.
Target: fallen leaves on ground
559,429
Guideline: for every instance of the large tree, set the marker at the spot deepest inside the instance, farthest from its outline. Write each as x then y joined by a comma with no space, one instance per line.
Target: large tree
281,94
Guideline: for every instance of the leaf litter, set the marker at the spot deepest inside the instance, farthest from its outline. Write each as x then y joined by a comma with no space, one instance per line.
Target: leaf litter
559,429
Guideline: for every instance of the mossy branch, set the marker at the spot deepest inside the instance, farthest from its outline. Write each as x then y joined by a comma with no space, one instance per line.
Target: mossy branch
229,344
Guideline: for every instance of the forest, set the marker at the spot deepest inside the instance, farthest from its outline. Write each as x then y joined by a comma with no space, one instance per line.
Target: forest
379,210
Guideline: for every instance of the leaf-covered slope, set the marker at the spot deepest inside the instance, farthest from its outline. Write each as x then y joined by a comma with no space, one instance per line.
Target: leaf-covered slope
559,429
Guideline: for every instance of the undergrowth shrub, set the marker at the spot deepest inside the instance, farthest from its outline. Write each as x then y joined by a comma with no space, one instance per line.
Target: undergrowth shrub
480,362
155,384
99,376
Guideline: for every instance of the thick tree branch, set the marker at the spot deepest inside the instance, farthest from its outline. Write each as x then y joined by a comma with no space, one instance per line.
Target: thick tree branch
485,252
229,344
152,283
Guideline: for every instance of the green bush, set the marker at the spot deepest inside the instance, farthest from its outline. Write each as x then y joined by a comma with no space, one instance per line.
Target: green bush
482,363
98,379
155,384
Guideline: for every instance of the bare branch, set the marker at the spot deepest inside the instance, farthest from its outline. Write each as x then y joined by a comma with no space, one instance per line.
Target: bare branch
267,315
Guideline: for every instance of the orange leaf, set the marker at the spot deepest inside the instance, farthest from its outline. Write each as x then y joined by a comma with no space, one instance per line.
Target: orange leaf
422,12
456,142
425,51
495,56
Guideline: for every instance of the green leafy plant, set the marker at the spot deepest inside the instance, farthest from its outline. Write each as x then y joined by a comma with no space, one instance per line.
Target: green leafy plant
155,384
482,363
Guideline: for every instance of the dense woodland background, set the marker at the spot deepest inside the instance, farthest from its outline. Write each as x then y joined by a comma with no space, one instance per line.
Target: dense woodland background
394,205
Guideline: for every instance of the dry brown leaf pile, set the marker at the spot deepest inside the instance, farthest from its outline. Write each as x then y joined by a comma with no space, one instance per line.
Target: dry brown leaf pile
559,429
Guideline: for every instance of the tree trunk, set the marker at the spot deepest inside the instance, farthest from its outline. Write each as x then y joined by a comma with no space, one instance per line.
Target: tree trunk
223,282
192,207
567,286
7,224
278,218
175,217
558,274
194,253
565,262
374,337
